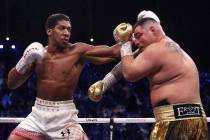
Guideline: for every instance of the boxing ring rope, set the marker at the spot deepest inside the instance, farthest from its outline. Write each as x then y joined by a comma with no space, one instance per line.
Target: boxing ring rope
111,121
92,120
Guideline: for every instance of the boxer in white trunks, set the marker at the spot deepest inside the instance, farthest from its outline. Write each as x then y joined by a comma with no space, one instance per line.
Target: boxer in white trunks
58,67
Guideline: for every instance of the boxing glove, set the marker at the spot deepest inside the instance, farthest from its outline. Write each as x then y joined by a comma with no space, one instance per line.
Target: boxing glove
96,91
33,53
123,32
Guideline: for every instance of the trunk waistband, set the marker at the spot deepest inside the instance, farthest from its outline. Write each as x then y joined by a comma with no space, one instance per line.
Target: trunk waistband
54,105
179,112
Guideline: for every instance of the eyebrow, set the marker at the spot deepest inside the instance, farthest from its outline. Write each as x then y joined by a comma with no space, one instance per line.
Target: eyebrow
69,27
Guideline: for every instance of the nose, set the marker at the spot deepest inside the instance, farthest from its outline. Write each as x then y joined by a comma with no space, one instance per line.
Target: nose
66,32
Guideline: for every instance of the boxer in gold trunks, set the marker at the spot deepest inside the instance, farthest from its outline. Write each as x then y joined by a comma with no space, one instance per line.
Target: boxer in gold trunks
173,77
58,67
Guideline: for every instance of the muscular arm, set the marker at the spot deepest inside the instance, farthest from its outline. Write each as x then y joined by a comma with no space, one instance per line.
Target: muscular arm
122,33
15,79
101,50
98,60
113,76
143,65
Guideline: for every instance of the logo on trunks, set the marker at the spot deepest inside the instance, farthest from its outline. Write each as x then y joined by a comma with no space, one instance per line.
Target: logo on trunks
187,110
65,133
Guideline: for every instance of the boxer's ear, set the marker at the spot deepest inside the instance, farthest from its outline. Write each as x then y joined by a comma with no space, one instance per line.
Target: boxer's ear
49,32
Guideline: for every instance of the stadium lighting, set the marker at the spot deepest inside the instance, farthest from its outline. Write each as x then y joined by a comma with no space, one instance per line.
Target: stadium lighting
91,39
7,38
13,46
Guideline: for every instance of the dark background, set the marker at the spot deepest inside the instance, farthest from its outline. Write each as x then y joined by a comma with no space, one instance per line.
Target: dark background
186,22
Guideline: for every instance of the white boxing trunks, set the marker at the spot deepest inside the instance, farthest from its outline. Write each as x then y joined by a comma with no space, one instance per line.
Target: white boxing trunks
51,120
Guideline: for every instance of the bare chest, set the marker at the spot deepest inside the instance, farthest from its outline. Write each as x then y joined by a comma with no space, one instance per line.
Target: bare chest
59,67
170,71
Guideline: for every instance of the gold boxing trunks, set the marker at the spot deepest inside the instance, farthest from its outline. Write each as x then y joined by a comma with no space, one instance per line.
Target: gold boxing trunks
180,122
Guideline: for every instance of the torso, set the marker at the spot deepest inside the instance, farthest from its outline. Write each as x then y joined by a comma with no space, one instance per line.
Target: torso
177,79
58,74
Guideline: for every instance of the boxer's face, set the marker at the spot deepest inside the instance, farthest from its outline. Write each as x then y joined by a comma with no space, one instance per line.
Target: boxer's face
143,36
61,33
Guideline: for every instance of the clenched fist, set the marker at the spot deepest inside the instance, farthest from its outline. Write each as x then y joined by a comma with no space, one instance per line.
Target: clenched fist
95,91
123,32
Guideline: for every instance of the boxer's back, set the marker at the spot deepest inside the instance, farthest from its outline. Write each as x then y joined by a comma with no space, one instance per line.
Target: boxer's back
58,74
177,80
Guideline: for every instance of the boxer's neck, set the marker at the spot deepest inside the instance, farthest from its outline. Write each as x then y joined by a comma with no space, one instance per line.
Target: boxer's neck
56,49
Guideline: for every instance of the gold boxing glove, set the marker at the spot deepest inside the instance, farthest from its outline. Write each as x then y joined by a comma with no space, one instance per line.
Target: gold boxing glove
123,32
95,91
